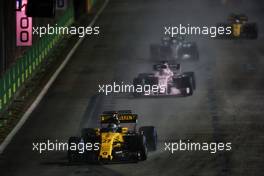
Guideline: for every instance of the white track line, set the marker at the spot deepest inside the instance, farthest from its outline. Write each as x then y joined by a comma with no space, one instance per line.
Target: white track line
43,92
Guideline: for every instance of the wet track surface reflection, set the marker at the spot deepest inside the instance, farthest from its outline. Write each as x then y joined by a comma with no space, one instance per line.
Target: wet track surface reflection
227,105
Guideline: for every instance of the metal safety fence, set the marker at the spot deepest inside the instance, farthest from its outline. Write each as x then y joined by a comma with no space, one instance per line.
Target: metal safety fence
25,67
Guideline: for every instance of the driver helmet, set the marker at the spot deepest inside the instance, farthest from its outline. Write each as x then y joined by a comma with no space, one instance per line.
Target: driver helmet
115,118
112,127
163,69
165,62
164,66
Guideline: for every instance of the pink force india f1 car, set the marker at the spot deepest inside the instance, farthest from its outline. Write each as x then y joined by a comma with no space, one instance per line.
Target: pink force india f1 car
169,79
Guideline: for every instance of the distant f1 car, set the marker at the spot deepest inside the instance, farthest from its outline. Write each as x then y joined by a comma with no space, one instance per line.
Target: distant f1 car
172,48
169,80
240,28
116,143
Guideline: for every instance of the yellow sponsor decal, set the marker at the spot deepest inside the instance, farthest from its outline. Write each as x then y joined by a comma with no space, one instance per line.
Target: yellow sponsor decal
237,30
126,117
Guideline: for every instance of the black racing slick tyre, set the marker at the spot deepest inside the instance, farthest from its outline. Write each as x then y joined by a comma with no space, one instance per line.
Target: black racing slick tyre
250,31
89,136
142,147
184,83
137,145
150,133
188,86
187,92
193,80
73,155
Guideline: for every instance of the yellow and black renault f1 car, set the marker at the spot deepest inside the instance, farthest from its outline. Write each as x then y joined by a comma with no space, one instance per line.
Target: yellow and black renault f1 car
112,142
240,28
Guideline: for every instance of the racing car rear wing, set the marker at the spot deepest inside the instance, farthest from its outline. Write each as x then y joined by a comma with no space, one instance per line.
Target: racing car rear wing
239,17
123,118
171,66
118,112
